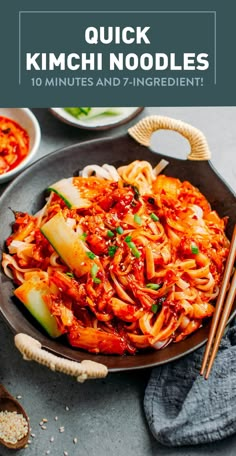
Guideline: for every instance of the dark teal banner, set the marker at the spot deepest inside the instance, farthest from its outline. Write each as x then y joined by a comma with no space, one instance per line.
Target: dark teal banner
161,55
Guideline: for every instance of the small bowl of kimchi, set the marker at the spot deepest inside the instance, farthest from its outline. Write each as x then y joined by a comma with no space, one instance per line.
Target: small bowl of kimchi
19,141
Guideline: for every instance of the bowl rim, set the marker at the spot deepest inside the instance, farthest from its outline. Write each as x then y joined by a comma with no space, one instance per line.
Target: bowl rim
22,165
76,123
113,362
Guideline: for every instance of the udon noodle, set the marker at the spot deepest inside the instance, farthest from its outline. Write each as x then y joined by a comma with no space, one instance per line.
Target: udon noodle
150,262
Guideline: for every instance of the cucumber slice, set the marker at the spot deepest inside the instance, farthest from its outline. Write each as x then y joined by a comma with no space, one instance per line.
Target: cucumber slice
69,193
31,293
91,113
67,244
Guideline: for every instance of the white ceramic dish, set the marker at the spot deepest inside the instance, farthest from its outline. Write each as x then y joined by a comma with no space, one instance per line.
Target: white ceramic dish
101,122
26,119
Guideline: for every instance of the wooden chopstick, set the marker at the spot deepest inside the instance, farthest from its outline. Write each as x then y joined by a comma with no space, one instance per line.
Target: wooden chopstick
222,311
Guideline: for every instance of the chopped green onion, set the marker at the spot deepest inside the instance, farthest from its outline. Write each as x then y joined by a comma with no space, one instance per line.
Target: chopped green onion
137,219
154,217
153,286
194,249
131,245
110,233
70,274
91,255
135,251
136,192
119,230
154,308
135,189
112,250
83,236
96,280
94,270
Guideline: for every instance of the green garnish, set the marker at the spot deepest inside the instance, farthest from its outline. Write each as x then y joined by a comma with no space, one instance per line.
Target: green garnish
96,280
135,251
194,249
154,217
120,230
70,274
135,189
94,270
110,233
132,246
154,308
83,236
91,113
137,219
91,255
77,112
112,250
136,192
153,286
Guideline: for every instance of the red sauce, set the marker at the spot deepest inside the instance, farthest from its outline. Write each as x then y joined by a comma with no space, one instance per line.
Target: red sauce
14,144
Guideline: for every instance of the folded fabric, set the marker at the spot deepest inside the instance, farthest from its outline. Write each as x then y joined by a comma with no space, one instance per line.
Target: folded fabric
182,408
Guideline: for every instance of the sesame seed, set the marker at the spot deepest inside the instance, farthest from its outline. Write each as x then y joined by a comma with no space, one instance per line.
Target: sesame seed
47,452
44,428
41,423
19,396
29,442
61,429
45,420
75,440
56,418
52,439
13,426
65,453
32,435
67,408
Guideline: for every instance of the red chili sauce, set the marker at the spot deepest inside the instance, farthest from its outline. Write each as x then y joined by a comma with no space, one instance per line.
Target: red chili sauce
14,144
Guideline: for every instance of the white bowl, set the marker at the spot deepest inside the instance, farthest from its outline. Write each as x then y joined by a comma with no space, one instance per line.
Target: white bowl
26,119
101,122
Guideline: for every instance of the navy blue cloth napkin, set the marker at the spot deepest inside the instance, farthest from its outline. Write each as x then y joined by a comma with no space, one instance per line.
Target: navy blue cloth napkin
184,409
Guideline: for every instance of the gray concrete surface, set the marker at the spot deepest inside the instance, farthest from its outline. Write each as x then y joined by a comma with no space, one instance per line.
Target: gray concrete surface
106,416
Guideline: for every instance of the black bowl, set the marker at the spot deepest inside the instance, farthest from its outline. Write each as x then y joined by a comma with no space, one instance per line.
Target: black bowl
26,193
